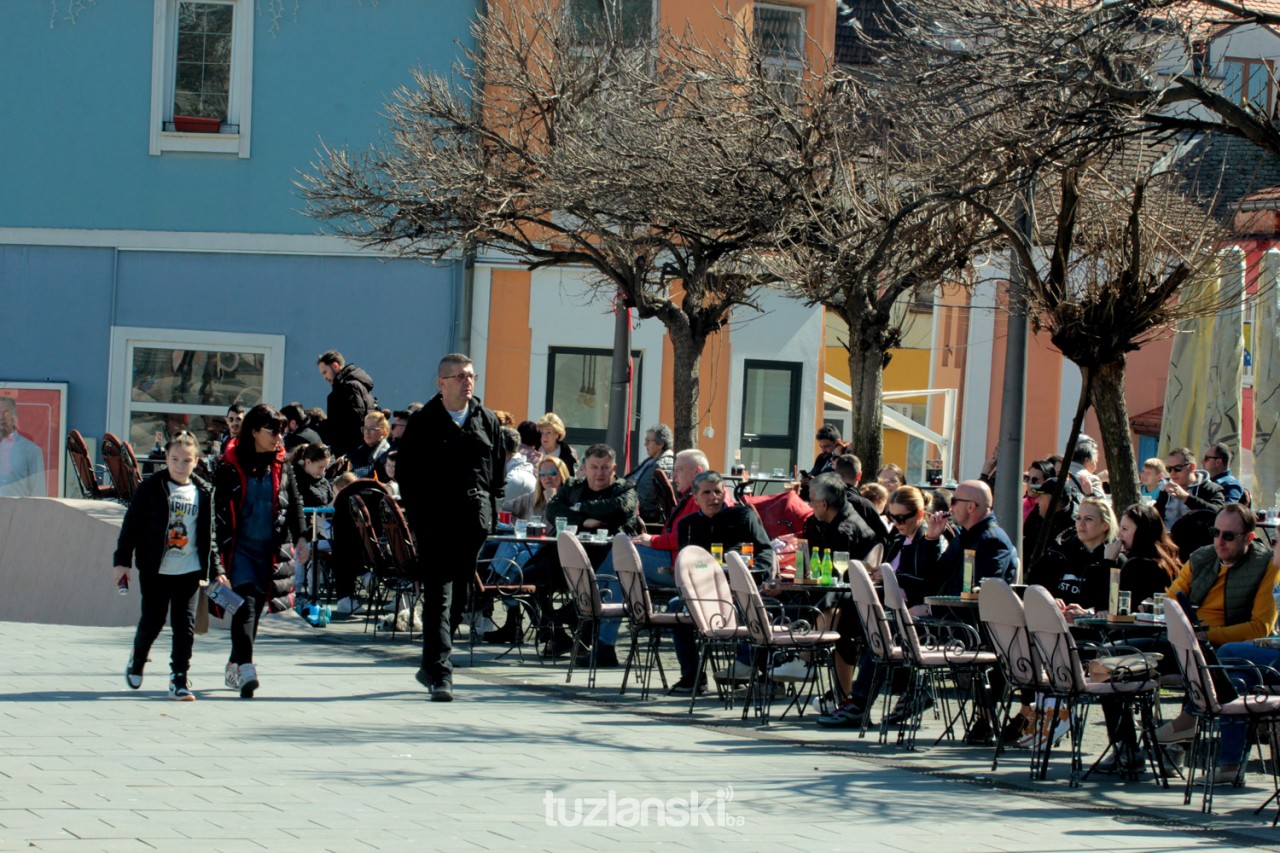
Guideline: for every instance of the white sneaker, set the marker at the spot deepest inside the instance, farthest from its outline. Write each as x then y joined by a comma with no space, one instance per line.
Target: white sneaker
346,606
483,625
793,670
738,672
248,680
232,676
131,678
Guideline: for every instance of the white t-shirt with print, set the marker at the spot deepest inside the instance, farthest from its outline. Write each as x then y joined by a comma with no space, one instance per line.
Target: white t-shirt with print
180,555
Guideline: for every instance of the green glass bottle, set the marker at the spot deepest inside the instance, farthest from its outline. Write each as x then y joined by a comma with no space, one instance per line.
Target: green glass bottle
826,567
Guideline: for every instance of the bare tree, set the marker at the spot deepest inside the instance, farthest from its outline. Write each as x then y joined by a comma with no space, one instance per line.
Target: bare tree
603,148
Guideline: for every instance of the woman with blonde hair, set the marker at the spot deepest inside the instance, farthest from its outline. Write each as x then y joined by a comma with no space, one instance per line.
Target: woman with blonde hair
551,429
1075,568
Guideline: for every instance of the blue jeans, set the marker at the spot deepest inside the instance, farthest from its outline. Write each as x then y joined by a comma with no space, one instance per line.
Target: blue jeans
1234,745
652,560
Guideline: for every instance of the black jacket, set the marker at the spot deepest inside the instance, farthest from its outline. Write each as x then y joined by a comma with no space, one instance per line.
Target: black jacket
146,526
1202,495
846,532
731,527
451,477
616,506
1141,576
306,434
314,492
867,512
1073,573
350,399
914,558
994,556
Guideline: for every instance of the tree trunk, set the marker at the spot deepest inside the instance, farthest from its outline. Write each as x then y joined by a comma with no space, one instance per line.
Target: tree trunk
866,384
1113,424
686,367
1082,405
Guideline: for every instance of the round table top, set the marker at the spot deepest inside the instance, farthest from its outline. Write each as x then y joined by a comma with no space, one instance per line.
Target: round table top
950,601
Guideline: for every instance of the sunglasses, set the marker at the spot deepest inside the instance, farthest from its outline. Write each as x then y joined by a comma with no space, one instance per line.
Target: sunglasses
901,519
371,429
1224,535
548,473
1219,458
1178,469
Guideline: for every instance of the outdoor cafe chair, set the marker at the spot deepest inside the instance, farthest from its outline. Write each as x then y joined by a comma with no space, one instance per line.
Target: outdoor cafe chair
501,580
887,656
1071,687
705,591
1210,701
122,467
86,475
589,600
1002,615
644,620
769,639
403,569
394,579
947,648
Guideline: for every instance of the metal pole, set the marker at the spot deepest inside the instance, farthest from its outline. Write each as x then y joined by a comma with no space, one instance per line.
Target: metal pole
1008,480
619,430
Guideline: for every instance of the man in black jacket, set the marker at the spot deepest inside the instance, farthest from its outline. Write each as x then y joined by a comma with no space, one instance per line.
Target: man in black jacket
1189,502
350,399
451,471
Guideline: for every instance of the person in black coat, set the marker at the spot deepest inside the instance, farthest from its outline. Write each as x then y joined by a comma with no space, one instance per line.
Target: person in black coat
1074,569
452,474
1189,503
258,513
301,428
350,399
730,526
168,533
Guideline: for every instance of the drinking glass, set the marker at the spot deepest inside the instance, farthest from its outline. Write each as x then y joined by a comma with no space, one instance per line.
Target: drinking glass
1124,600
561,524
522,528
839,565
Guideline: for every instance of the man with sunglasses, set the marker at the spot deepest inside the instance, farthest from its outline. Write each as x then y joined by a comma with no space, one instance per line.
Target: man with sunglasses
1217,464
1188,490
1232,583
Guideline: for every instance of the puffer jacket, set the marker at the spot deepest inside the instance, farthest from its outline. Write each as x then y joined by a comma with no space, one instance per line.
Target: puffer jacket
287,524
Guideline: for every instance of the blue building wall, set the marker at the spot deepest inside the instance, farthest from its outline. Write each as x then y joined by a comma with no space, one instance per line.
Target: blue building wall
56,305
76,104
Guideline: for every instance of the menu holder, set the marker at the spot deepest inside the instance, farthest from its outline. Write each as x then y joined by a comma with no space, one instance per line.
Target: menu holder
969,596
1117,619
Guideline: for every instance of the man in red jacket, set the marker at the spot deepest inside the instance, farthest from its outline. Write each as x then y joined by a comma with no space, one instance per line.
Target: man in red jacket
658,550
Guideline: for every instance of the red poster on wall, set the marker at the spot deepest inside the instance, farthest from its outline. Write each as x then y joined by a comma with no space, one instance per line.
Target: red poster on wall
33,417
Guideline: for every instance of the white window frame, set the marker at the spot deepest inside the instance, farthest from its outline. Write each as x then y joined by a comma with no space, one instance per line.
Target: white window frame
164,49
124,339
783,69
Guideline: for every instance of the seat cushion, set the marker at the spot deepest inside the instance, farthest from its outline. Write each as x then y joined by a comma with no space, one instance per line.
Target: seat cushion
957,658
1251,704
613,611
670,620
1111,688
787,637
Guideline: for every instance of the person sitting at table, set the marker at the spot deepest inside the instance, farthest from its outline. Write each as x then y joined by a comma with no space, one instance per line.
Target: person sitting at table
1144,553
834,526
1074,569
530,441
891,477
849,467
597,500
509,558
718,523
657,444
1040,485
1232,583
521,481
1152,478
551,434
309,464
371,453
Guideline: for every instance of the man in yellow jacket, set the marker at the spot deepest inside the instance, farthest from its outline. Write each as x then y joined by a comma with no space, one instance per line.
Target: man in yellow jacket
1232,582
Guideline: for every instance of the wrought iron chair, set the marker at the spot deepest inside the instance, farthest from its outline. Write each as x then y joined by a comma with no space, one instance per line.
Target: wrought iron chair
402,574
767,639
505,583
1067,682
588,600
1002,614
705,591
639,604
86,475
948,648
887,656
1208,703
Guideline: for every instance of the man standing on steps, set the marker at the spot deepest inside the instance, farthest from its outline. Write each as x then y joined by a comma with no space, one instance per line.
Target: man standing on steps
451,469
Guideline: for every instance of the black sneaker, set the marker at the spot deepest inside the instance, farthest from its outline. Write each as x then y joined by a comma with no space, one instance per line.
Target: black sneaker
908,707
684,687
132,675
442,691
179,690
606,657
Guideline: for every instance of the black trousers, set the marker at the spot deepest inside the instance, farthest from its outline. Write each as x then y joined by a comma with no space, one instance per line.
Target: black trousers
175,596
244,624
448,567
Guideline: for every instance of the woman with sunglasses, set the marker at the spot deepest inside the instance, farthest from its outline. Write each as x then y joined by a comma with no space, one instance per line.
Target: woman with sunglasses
1041,479
259,511
906,515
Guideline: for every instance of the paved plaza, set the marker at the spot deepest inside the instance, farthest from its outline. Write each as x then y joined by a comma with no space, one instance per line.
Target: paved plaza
341,750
